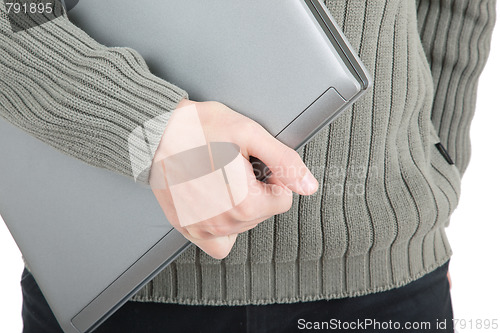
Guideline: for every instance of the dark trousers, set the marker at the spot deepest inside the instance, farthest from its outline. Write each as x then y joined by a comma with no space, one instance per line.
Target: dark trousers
425,304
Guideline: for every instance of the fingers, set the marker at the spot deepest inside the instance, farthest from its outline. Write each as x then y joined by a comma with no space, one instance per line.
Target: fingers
284,162
218,247
198,232
216,235
262,201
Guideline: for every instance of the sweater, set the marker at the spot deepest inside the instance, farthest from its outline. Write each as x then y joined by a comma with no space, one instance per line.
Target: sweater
389,168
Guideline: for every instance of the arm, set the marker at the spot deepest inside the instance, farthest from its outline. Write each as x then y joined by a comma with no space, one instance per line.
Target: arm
79,96
456,37
88,100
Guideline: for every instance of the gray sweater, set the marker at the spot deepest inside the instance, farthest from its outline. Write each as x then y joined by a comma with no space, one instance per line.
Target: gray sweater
386,192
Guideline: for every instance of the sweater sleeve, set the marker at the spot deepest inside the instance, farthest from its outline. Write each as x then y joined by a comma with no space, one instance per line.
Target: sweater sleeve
456,36
81,97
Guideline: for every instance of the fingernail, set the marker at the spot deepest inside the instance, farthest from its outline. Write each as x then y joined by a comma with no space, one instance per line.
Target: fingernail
309,184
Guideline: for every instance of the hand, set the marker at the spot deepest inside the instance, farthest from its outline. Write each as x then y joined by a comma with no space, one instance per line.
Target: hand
216,235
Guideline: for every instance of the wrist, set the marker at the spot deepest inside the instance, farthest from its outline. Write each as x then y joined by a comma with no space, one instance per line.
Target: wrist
184,102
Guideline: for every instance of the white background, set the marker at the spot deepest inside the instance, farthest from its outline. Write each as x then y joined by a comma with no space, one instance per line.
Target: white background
474,232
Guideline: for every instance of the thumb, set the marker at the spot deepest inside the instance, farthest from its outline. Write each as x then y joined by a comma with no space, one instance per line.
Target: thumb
284,162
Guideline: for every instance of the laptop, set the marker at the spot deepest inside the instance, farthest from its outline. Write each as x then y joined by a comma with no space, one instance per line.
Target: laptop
93,238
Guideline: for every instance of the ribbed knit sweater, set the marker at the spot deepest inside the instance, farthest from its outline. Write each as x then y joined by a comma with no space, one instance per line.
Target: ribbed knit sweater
386,192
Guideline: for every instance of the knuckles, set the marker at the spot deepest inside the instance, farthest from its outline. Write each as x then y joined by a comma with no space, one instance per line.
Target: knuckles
219,230
220,253
245,211
288,204
289,156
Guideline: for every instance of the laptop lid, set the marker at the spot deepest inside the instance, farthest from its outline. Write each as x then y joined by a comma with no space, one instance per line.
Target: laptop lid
284,64
91,238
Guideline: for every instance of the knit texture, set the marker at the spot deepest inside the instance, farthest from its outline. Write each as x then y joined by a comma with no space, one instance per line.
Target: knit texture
79,96
386,193
456,36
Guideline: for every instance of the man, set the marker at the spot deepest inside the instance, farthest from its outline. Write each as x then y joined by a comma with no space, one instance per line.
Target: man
369,244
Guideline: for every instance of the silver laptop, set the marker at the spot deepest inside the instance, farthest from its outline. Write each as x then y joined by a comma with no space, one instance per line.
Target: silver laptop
93,238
